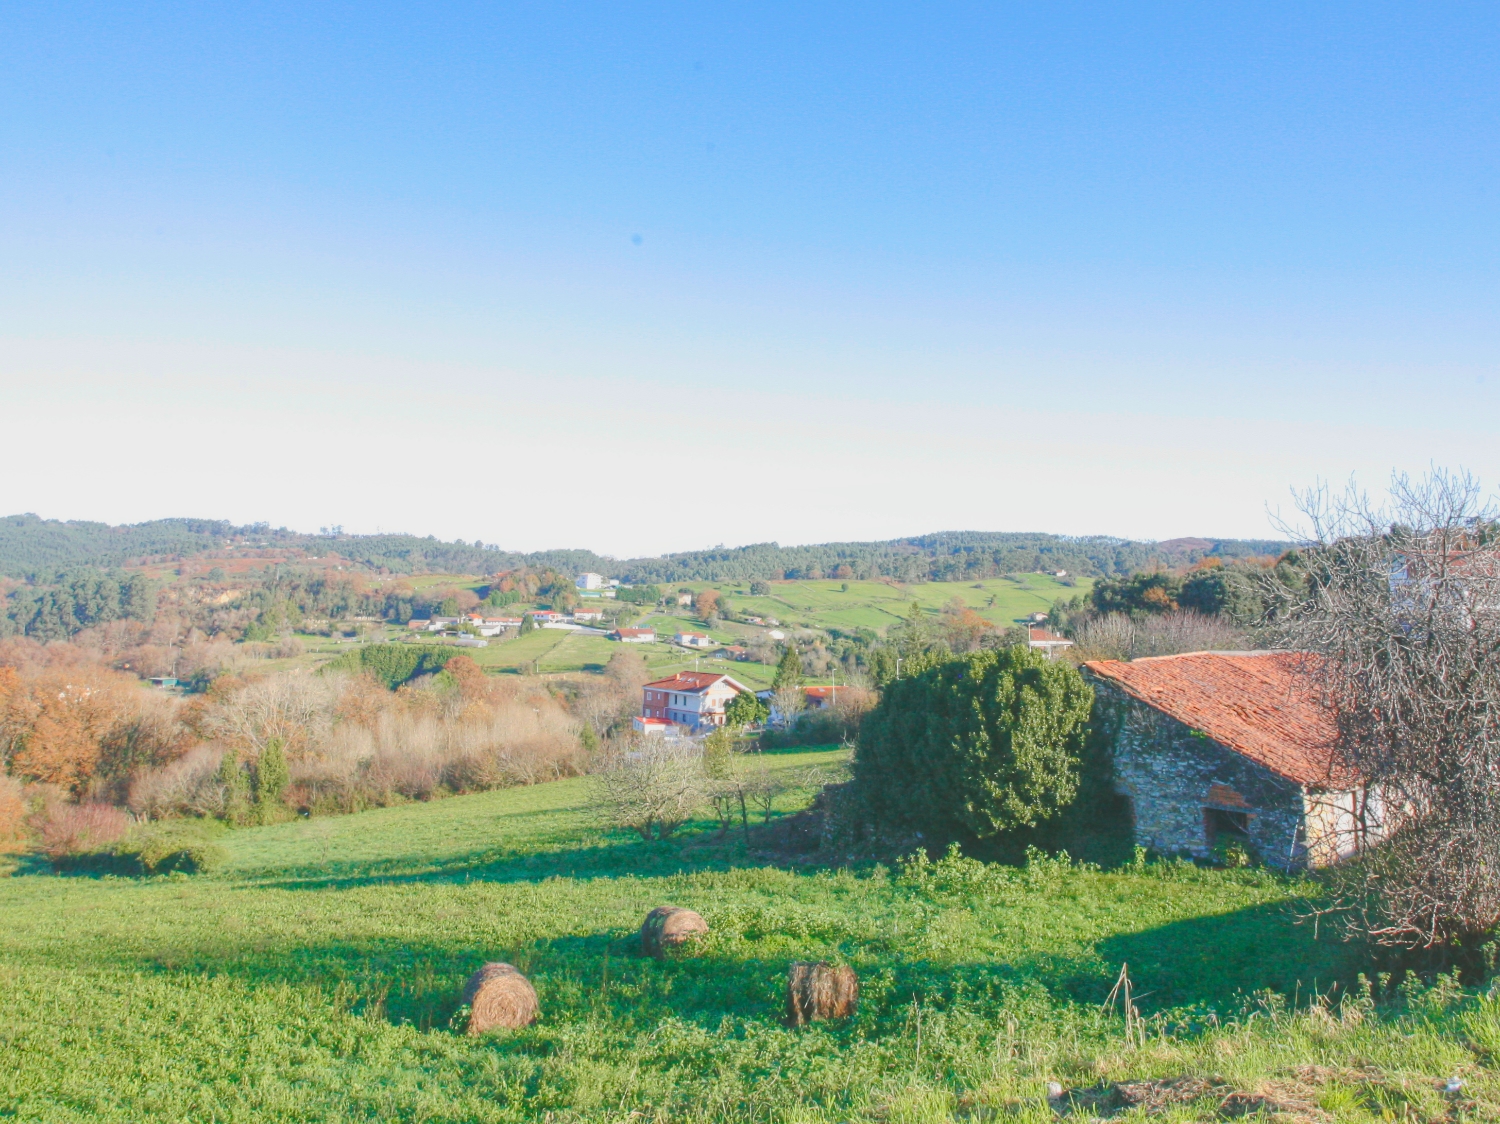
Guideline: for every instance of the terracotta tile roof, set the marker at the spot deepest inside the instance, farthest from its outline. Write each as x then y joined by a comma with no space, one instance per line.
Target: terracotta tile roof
693,681
1250,702
1042,636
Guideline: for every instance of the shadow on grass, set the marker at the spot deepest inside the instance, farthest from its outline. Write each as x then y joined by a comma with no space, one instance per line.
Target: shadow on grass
1225,958
1218,961
681,854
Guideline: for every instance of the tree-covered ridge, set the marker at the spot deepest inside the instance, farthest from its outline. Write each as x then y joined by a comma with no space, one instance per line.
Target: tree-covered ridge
29,544
945,556
33,548
30,547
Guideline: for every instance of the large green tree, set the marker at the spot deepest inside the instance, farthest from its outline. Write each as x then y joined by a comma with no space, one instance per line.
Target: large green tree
789,670
976,745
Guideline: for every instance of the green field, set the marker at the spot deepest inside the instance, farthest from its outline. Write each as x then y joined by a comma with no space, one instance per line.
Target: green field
821,605
316,978
877,606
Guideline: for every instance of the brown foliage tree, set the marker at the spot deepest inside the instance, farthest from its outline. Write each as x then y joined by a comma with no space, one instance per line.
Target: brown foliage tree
53,724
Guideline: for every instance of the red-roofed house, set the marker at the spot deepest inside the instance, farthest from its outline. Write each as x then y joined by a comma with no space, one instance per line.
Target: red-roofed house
588,614
694,699
1050,643
1220,747
634,635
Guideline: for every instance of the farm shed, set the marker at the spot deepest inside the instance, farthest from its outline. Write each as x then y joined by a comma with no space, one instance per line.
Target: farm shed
1213,748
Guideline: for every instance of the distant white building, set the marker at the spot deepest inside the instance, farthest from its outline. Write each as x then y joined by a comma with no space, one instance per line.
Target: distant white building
589,581
693,640
586,614
634,635
1049,643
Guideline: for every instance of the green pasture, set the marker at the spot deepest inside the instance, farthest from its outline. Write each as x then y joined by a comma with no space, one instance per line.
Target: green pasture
457,581
317,977
519,652
877,606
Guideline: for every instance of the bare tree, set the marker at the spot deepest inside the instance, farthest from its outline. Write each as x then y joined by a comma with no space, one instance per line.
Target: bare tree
1116,636
1400,618
652,787
788,703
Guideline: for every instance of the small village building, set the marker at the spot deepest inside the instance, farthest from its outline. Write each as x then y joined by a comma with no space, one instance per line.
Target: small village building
651,726
814,698
588,614
547,616
634,635
732,652
821,698
695,699
1213,748
1048,643
589,581
693,640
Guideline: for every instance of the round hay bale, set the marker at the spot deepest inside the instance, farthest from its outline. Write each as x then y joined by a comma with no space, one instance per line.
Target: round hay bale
498,995
668,926
816,991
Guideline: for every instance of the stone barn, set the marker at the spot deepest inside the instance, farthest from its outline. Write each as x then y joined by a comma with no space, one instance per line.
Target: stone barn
1219,747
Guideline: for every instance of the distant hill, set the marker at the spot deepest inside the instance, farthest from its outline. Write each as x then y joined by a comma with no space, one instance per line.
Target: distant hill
31,547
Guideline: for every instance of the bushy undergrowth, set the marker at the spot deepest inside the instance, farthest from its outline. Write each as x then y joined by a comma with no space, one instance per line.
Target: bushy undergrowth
181,847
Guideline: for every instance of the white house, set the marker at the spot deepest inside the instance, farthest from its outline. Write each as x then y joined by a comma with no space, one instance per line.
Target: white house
634,635
583,613
693,640
1049,643
695,699
589,581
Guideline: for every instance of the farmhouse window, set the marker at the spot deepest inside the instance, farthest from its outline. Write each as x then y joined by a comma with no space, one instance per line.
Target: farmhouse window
1219,823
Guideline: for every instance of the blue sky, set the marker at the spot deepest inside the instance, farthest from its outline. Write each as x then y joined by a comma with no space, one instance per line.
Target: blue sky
651,278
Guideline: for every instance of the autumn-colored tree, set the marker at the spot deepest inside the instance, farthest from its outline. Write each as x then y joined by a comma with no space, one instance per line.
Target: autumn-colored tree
706,603
473,685
55,722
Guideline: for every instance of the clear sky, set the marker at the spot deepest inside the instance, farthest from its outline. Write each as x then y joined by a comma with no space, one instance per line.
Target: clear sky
648,278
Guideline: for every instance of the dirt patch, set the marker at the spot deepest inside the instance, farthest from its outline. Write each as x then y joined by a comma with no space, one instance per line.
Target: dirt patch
1287,1100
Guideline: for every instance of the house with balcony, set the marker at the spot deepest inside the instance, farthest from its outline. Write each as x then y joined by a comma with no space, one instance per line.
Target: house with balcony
694,699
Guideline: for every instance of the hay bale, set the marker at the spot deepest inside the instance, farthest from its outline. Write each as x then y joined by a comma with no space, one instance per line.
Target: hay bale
666,927
820,991
498,995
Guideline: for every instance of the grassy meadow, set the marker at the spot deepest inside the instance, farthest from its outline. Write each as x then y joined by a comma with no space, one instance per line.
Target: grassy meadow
819,605
316,977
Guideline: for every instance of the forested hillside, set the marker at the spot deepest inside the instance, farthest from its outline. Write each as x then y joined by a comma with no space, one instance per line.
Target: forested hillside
946,556
32,548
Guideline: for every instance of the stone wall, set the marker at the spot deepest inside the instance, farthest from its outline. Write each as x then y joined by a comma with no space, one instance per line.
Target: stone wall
1173,775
